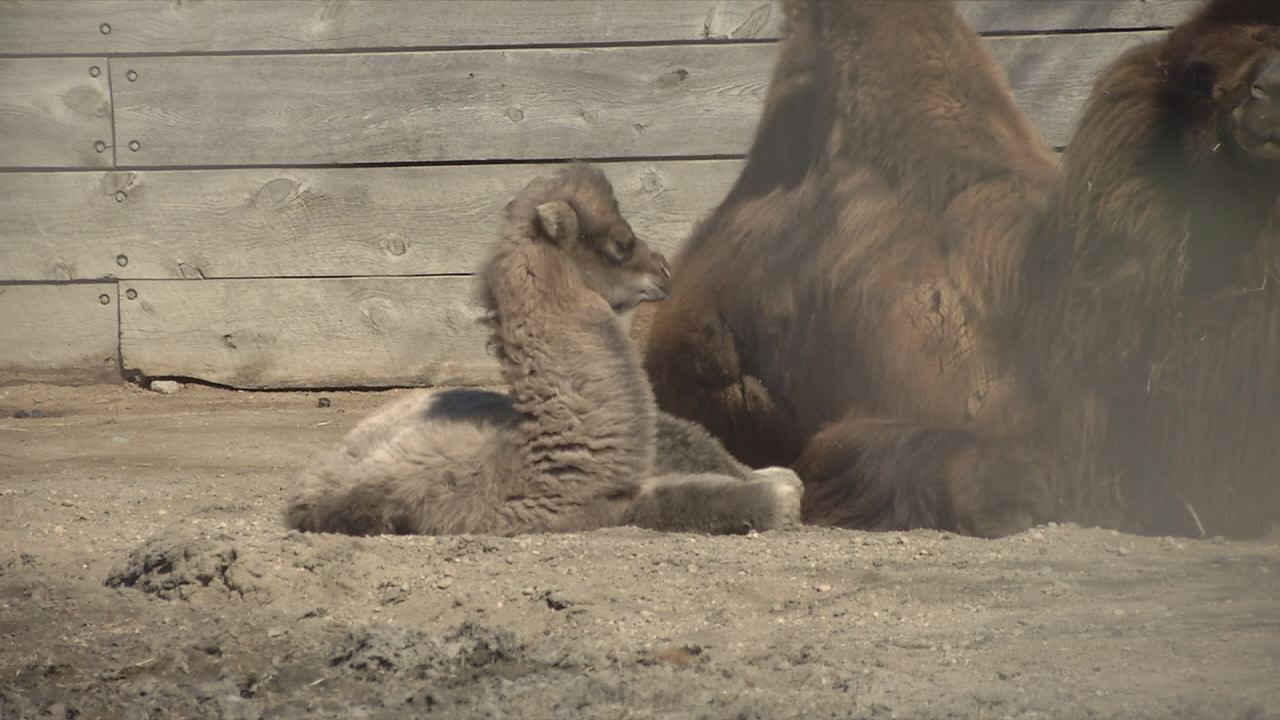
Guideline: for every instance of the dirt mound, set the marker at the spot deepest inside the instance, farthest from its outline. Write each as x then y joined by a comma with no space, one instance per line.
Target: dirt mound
182,564
454,658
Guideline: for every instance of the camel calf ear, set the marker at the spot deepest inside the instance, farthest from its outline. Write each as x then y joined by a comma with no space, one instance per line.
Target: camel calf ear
559,222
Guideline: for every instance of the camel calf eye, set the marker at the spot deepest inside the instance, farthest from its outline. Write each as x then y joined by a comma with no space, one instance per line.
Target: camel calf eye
619,252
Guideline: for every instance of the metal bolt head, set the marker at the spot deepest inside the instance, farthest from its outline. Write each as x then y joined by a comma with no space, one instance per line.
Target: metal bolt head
100,146
104,299
122,260
94,71
134,145
104,28
121,196
132,75
131,294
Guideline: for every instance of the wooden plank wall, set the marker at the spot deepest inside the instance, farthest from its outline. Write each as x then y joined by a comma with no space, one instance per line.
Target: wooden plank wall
293,193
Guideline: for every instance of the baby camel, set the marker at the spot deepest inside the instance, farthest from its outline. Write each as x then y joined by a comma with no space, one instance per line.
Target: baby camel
578,442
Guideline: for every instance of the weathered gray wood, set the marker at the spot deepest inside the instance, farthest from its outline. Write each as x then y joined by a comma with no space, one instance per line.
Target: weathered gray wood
53,111
299,222
520,104
143,26
58,333
1057,15
1052,75
335,332
40,26
439,106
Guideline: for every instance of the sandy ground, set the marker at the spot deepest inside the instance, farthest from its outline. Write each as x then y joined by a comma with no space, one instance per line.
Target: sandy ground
144,573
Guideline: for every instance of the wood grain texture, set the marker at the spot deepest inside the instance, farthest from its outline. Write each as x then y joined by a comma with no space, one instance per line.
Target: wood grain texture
669,101
439,106
53,111
40,26
1052,76
336,332
299,222
144,26
58,333
1008,16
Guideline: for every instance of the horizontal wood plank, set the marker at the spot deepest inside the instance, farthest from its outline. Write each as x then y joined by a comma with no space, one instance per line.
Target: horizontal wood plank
1052,76
40,26
669,101
147,26
59,333
293,333
54,112
439,106
1012,16
311,221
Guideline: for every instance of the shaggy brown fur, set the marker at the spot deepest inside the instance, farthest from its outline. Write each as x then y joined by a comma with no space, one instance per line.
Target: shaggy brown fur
945,331
1156,318
569,447
854,273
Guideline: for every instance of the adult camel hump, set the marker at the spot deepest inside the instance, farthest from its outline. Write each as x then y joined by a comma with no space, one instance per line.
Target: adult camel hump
889,298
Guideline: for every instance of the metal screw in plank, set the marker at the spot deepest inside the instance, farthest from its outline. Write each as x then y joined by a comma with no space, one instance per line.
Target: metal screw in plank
104,299
94,71
131,294
134,145
100,146
104,28
122,260
132,75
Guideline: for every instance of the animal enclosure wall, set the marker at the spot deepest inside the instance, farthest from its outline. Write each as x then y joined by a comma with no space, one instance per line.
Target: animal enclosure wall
292,193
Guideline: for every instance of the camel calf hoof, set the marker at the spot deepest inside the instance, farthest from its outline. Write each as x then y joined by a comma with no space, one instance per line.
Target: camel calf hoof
718,504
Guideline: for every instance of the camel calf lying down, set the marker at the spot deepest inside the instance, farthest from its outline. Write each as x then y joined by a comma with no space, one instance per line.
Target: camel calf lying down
578,442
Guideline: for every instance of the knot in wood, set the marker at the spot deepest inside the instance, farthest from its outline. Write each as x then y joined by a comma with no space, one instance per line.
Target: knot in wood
276,193
381,314
395,245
